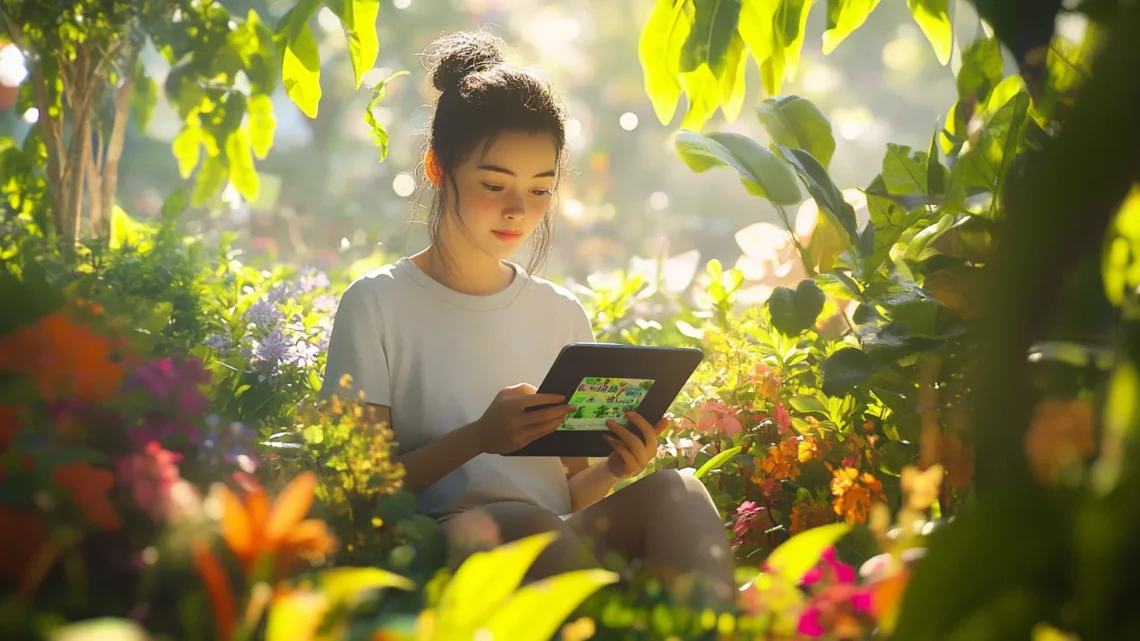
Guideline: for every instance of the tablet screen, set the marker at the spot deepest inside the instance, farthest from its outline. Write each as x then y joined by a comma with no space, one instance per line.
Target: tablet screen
600,399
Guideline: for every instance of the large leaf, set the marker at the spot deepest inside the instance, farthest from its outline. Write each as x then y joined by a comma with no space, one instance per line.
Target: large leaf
659,50
891,221
345,583
981,70
242,173
484,582
845,369
717,461
843,18
711,36
359,20
702,88
795,122
823,190
755,27
933,17
789,24
794,557
211,178
986,163
762,172
907,171
187,147
732,82
535,612
300,58
795,311
262,124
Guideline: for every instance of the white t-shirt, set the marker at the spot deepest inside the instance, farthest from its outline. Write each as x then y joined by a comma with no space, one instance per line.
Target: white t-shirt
437,358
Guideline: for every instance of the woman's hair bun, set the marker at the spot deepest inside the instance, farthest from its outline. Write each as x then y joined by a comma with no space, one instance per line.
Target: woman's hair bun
458,55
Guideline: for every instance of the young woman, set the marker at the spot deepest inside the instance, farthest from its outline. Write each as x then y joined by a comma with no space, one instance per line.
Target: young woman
448,343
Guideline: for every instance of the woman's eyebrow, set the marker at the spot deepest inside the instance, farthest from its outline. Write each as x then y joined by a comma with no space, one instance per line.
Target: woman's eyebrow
503,170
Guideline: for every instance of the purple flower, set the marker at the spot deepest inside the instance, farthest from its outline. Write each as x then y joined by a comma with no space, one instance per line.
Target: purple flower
221,342
325,303
312,279
264,313
304,354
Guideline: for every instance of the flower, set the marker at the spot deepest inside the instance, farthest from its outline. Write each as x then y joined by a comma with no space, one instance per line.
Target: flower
221,342
222,603
1061,434
783,419
766,380
750,517
782,461
150,475
63,358
810,514
855,492
840,609
829,568
263,313
719,418
809,448
171,382
252,528
88,487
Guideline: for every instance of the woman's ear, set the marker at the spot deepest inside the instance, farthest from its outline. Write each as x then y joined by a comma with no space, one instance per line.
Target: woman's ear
433,168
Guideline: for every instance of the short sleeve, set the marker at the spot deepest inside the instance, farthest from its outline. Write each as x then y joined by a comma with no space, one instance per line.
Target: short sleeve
582,331
356,348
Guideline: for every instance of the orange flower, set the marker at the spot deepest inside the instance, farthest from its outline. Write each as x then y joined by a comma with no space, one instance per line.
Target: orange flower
767,381
218,590
782,461
62,358
809,449
88,487
253,528
855,493
810,514
1061,434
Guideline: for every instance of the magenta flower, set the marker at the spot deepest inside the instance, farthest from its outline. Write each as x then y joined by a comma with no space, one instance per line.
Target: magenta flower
783,419
150,475
749,517
175,383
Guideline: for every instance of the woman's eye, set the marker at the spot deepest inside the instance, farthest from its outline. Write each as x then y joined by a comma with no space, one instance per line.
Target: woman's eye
540,192
492,187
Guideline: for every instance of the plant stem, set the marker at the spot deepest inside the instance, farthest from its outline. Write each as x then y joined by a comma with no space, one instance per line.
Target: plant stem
796,241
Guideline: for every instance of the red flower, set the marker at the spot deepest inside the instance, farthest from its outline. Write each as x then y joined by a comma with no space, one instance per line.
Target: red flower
88,487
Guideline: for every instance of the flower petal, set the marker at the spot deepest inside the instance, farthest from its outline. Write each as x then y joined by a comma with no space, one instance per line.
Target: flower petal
290,507
237,530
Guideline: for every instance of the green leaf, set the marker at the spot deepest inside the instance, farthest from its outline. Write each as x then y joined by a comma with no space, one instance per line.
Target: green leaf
933,17
239,156
756,28
823,190
251,44
301,69
986,164
703,89
937,176
795,14
378,132
126,230
709,40
143,100
536,611
717,461
894,456
359,20
795,311
907,171
794,557
732,82
262,124
659,51
796,122
982,69
342,584
807,404
187,147
929,234
761,171
843,18
845,369
211,177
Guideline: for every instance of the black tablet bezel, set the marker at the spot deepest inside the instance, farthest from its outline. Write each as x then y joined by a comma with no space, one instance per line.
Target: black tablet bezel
669,367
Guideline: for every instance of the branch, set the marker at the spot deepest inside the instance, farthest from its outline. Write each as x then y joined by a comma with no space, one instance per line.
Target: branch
118,133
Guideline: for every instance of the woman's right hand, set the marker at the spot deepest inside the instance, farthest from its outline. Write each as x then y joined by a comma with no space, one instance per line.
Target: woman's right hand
506,425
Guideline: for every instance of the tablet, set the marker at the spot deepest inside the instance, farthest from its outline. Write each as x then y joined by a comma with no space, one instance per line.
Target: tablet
604,381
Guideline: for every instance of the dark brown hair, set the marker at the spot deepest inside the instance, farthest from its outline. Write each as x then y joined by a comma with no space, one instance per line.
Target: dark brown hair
481,96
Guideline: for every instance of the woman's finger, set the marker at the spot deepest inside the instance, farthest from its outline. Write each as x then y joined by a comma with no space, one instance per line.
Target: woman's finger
662,425
622,450
629,438
648,433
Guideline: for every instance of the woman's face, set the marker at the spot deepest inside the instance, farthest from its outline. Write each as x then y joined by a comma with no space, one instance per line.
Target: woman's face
504,193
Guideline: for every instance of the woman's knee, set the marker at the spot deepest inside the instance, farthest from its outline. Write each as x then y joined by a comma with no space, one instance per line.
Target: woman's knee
673,486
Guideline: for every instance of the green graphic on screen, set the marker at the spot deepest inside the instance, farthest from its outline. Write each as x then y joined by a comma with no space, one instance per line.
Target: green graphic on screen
599,399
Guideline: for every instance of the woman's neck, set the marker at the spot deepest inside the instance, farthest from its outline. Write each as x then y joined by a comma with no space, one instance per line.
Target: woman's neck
471,275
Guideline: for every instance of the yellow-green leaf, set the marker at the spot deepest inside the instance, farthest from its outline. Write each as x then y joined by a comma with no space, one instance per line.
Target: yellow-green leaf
796,122
211,177
262,124
794,557
795,26
933,17
659,50
187,148
756,27
359,20
301,71
345,584
378,132
703,91
717,461
126,230
843,18
732,80
535,612
101,629
485,580
239,155
296,615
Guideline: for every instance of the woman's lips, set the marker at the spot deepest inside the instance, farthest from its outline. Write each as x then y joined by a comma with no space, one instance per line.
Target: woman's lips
507,236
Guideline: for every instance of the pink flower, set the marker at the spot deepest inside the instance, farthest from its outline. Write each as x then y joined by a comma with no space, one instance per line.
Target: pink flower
150,475
717,417
769,486
174,382
840,609
783,419
830,567
750,517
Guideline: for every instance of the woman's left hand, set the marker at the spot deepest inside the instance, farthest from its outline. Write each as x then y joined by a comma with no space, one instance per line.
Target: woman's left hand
632,451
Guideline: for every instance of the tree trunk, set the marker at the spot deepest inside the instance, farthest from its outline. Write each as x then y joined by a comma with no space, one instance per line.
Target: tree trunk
118,138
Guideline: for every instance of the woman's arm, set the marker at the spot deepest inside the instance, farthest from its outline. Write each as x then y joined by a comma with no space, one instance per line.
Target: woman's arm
425,465
590,485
